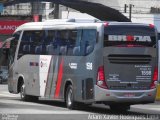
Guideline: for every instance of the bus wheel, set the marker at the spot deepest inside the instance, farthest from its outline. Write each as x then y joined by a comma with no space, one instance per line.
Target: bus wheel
70,103
22,93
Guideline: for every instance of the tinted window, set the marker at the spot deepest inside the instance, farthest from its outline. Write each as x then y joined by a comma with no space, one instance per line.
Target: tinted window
58,42
32,43
129,35
88,41
71,42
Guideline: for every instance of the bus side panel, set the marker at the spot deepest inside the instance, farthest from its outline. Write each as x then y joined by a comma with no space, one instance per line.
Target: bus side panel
10,80
73,69
65,69
84,84
29,70
81,71
52,77
45,62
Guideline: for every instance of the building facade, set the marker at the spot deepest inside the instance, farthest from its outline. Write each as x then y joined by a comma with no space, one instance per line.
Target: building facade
144,11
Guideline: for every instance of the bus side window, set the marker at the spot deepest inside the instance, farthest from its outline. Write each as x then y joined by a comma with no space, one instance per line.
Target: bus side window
63,42
49,39
38,42
71,43
88,41
25,45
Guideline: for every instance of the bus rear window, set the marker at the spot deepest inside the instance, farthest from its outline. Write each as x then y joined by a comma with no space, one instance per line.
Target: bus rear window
129,36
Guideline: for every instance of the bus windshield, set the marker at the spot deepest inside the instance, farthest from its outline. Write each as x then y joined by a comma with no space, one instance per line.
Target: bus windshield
129,35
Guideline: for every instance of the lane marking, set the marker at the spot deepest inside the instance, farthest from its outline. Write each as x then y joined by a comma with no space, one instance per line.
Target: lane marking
34,111
8,95
147,107
17,102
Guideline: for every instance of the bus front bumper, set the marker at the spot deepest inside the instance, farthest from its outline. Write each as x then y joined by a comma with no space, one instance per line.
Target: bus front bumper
124,96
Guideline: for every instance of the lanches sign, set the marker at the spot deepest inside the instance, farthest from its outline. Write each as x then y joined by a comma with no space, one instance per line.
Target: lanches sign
8,27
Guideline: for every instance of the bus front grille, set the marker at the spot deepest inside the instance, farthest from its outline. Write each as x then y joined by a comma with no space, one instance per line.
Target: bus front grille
129,59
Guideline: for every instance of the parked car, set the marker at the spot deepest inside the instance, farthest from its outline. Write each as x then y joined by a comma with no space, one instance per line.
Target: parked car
3,76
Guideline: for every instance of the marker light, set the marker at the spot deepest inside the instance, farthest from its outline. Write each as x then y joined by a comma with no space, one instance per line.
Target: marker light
151,25
101,78
155,78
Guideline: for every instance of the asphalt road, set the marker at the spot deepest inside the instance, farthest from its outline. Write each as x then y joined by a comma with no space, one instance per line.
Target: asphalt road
12,108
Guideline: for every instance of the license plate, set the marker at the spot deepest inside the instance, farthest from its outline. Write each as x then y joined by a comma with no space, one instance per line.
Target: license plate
129,95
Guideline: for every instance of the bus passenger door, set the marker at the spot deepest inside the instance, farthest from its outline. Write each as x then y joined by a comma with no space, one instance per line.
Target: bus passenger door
12,83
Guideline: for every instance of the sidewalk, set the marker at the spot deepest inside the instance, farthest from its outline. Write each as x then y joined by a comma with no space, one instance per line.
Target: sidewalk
150,107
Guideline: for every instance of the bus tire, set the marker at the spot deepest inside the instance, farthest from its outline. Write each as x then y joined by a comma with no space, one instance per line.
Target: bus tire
33,98
70,103
23,95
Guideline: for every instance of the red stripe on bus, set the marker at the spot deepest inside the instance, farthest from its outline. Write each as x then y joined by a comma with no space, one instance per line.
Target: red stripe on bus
48,76
59,80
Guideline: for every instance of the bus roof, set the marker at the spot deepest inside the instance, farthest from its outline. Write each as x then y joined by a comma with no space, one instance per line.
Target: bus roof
57,25
129,24
76,20
73,23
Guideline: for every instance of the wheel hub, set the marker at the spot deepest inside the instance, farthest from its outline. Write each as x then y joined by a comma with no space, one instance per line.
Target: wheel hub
70,97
